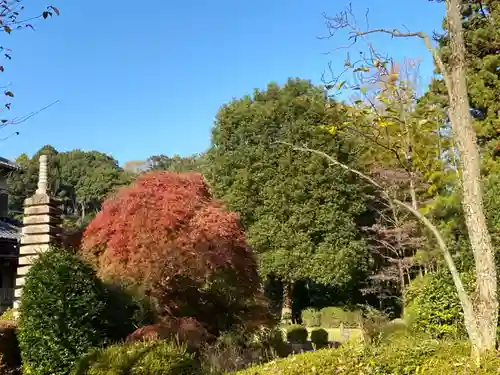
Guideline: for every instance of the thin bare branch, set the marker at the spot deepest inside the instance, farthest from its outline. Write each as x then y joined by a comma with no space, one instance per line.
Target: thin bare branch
464,297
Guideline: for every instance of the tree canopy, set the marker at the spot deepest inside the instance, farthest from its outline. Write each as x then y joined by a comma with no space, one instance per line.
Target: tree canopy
301,214
166,235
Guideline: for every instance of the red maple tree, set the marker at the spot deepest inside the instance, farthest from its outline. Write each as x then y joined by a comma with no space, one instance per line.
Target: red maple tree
166,234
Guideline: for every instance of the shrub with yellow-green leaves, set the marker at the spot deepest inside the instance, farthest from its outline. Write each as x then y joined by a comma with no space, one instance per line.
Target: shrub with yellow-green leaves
402,356
433,307
139,358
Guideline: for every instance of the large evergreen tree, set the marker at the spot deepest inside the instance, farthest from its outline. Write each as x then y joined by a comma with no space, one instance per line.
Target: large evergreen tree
301,214
481,24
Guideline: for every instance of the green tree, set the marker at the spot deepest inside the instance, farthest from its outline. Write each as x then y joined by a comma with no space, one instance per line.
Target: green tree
81,179
93,176
481,25
301,214
177,163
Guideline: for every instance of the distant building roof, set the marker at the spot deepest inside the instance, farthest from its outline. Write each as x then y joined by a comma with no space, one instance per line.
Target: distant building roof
10,229
7,164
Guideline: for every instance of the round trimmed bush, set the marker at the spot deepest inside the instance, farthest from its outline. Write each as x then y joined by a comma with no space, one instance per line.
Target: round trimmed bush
65,311
297,334
319,337
139,358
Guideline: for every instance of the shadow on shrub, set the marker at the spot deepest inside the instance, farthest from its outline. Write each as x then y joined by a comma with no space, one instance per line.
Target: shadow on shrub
10,357
319,337
234,351
296,334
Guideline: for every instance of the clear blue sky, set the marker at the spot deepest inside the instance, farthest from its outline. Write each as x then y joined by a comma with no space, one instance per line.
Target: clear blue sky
135,80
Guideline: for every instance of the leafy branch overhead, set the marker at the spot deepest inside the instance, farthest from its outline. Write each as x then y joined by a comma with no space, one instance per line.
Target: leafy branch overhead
12,18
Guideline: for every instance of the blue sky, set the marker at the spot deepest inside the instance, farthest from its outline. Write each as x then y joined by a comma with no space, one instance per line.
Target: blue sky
136,80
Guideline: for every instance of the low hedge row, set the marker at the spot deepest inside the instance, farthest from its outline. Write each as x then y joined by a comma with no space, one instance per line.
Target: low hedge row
331,317
401,356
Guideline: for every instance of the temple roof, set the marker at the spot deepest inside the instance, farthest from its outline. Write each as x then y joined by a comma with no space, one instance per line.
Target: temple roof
7,164
10,229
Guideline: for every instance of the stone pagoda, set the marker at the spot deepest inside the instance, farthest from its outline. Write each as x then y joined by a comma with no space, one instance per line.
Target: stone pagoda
41,228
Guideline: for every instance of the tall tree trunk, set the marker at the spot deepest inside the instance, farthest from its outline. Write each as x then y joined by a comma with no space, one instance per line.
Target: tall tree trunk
402,285
286,310
486,309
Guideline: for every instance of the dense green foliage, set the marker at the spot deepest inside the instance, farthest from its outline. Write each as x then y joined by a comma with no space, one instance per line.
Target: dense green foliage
65,311
141,358
301,214
176,163
433,306
319,337
482,39
403,356
331,317
296,334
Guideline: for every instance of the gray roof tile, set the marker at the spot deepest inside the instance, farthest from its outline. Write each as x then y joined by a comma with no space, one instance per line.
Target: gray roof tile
10,229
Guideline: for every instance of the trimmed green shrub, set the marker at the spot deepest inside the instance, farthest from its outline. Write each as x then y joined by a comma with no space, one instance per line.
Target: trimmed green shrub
333,317
433,307
405,356
65,311
319,337
311,318
296,334
139,358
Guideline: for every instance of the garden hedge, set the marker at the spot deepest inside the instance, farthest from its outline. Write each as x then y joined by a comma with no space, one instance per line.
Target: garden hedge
401,356
297,334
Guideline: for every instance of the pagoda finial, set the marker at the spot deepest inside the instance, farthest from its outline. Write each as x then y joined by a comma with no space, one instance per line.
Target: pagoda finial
43,176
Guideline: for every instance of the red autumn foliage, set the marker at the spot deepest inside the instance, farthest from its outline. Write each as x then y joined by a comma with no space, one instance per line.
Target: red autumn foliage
167,234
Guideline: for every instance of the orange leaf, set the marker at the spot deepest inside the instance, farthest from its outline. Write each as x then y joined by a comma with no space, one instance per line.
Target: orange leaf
9,93
7,29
